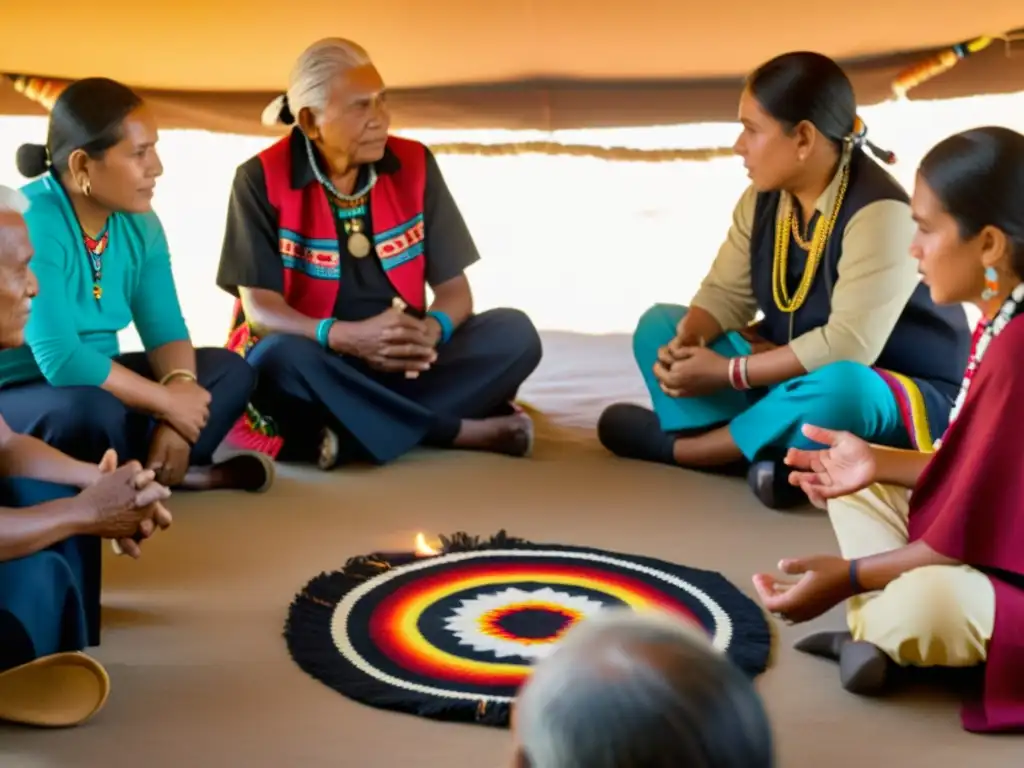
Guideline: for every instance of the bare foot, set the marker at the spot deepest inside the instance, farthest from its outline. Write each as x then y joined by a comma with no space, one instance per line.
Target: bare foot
253,472
510,435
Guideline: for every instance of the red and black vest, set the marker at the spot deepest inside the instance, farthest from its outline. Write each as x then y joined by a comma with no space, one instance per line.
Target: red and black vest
311,252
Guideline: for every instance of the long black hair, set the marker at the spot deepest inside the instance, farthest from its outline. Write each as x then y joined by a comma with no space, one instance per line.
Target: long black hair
804,85
88,115
978,176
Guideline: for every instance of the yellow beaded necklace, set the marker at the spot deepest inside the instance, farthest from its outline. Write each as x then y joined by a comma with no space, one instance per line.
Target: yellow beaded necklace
785,226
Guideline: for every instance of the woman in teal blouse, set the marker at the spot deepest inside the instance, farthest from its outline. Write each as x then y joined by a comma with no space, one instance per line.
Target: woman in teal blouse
102,262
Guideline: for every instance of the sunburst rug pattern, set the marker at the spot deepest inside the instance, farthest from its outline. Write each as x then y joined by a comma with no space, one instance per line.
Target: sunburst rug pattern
452,635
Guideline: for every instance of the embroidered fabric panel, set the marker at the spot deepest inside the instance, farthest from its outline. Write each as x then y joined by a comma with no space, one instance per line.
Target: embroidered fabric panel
401,244
315,258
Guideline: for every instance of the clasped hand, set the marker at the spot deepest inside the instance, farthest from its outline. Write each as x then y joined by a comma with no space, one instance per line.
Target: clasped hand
125,504
685,369
395,342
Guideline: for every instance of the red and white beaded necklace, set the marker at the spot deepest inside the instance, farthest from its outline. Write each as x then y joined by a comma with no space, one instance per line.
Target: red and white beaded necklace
983,336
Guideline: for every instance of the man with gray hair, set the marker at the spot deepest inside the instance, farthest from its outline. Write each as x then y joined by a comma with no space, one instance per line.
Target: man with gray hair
17,283
333,236
629,690
54,511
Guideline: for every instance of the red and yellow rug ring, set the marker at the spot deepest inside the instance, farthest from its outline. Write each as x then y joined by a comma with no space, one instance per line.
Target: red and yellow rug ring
453,636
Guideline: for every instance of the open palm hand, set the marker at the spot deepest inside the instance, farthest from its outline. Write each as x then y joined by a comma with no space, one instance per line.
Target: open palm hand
822,582
846,466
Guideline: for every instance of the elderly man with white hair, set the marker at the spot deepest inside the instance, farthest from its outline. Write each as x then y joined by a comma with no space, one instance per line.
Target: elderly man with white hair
333,236
54,510
629,690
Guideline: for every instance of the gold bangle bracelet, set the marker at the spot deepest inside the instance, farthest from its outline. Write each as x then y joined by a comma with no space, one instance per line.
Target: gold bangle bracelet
180,373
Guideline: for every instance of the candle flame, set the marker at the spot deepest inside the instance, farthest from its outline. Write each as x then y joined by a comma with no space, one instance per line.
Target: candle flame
422,548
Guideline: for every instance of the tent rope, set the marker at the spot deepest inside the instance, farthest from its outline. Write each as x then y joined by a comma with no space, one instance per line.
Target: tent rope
45,92
581,150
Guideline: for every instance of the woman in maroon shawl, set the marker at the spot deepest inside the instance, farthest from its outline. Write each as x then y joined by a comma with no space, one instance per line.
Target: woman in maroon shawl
932,545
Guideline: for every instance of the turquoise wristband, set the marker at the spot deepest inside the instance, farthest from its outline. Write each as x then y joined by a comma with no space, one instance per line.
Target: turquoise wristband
447,326
323,332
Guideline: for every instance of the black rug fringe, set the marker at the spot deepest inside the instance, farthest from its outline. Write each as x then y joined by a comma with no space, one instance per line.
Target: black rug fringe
307,629
363,567
463,542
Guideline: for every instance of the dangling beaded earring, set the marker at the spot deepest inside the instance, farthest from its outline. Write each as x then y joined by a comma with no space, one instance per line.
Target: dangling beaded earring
991,284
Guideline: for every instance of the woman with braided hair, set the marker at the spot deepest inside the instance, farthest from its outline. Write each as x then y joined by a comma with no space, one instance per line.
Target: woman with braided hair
812,310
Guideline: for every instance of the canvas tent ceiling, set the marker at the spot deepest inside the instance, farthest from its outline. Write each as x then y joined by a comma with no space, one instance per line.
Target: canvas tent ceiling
510,63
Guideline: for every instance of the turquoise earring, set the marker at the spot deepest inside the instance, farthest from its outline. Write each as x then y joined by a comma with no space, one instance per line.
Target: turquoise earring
991,284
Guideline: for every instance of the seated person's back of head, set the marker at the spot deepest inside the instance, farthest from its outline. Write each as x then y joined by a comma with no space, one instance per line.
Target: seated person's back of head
627,690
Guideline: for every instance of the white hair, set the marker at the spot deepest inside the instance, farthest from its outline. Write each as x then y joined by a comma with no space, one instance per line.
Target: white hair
624,688
13,201
309,85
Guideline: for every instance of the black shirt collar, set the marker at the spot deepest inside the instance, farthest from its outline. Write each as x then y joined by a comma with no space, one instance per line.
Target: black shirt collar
302,172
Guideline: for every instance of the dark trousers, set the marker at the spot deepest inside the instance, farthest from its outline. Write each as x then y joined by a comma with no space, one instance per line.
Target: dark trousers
84,422
381,416
49,600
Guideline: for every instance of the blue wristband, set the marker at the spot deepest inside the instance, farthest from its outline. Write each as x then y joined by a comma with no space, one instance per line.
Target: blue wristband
854,579
323,331
447,326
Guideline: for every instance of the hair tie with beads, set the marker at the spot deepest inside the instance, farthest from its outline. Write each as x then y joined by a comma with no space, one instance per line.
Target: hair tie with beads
858,137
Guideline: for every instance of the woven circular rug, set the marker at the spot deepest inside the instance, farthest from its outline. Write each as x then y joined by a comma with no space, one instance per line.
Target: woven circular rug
452,636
